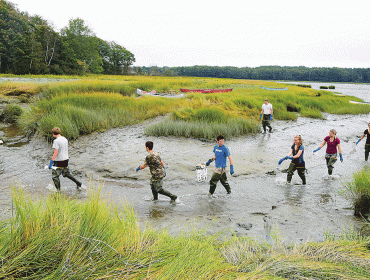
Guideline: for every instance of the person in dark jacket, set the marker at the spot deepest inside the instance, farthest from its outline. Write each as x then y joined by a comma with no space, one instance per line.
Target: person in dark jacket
296,155
367,144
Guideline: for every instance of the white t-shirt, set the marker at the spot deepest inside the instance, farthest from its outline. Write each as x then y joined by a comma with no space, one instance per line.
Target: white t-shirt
61,143
266,108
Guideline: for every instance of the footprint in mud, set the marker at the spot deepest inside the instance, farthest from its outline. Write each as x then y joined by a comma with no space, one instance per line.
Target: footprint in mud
246,226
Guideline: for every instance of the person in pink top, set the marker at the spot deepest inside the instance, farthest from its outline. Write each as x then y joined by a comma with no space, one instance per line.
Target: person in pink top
333,143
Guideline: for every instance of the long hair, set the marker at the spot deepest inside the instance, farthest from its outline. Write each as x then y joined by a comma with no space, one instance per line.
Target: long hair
334,132
300,143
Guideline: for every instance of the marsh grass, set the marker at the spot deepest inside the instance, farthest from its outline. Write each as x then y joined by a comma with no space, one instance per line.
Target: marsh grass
83,113
202,129
11,113
311,113
61,238
74,103
358,191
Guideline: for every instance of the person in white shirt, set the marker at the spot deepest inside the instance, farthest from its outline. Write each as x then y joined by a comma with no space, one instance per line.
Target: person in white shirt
267,115
60,159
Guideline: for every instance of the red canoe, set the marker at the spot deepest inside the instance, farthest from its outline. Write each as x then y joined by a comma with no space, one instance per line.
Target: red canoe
206,90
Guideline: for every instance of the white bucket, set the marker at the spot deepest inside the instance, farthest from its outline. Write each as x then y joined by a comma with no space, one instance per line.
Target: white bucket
201,172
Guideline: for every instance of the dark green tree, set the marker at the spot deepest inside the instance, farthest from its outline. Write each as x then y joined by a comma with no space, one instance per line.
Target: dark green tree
15,52
85,45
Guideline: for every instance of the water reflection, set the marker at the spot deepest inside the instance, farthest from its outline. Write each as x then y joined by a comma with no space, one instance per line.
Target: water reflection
157,211
294,193
206,206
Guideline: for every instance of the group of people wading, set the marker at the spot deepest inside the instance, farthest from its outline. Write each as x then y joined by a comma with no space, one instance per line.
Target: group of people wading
59,161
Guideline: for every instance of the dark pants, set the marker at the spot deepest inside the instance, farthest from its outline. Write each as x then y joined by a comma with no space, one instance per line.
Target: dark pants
330,160
367,150
301,172
65,172
218,177
156,186
266,123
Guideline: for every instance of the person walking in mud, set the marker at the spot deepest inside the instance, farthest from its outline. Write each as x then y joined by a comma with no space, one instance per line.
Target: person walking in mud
297,163
333,143
266,115
156,167
367,144
60,159
221,153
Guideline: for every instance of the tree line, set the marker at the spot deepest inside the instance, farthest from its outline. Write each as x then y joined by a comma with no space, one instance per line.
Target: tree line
30,45
301,73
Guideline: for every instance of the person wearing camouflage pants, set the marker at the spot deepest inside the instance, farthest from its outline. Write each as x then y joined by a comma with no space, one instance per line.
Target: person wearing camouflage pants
156,167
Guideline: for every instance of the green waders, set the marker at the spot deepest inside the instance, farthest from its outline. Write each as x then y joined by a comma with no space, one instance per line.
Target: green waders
266,123
301,172
156,186
65,172
330,160
219,177
367,150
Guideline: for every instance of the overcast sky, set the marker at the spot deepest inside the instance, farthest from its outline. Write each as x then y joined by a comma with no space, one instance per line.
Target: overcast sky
224,33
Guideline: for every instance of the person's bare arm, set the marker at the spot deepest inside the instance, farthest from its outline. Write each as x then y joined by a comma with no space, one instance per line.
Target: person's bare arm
231,160
56,151
322,144
142,166
298,154
339,148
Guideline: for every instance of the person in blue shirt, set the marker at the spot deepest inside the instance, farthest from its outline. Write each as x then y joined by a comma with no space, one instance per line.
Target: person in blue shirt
221,153
297,163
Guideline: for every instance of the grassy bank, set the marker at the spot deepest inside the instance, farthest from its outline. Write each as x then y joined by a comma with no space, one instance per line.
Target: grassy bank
61,238
95,103
358,192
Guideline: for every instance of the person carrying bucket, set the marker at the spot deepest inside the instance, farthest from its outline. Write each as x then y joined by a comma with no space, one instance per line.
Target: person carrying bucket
60,160
333,143
297,163
267,115
221,154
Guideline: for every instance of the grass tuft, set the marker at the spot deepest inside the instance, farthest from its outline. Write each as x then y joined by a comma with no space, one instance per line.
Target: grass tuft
232,127
358,191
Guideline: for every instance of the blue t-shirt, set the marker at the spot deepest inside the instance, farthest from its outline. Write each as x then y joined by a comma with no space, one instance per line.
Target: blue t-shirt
298,161
221,154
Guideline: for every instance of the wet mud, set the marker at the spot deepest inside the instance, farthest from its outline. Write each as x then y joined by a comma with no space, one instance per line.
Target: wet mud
261,204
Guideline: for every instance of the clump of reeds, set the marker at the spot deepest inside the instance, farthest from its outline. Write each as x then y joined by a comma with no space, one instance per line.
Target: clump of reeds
358,191
311,113
304,86
11,113
202,129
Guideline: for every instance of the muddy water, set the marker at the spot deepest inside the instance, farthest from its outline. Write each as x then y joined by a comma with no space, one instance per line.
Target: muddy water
260,203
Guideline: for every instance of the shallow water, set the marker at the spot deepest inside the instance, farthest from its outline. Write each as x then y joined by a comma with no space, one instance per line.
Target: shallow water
260,204
358,90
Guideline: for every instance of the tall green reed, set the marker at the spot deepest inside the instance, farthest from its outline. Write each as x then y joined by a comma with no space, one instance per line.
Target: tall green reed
358,192
232,127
